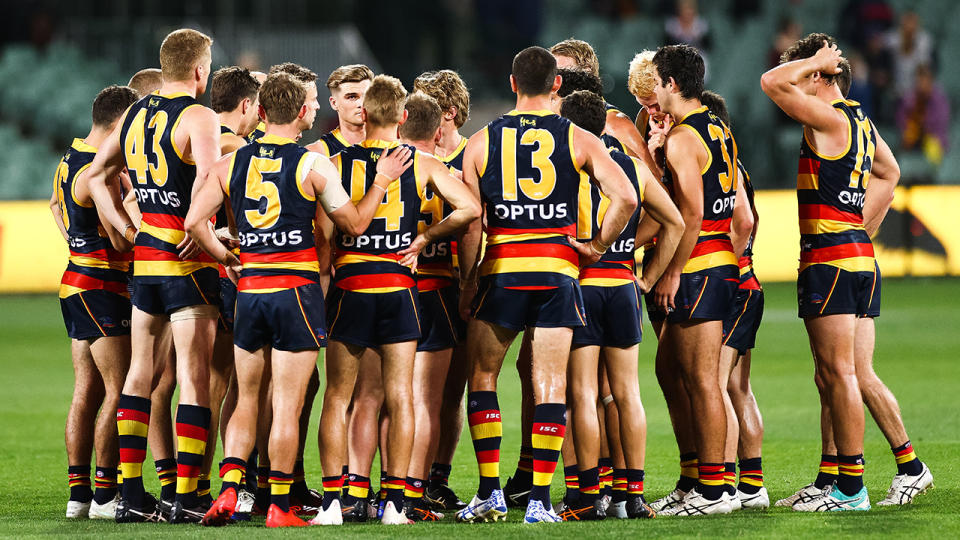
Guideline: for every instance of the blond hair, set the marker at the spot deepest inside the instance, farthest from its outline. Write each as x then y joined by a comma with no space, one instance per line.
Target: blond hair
449,90
581,52
640,81
384,101
181,52
349,74
146,81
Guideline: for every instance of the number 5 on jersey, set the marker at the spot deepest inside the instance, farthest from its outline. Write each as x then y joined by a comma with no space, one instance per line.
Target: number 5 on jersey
259,188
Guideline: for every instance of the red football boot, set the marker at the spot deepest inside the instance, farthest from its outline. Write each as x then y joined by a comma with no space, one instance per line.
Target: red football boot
219,514
278,518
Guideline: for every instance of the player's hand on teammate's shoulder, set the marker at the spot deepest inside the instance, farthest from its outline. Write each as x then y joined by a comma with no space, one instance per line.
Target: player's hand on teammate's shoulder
828,58
394,162
666,290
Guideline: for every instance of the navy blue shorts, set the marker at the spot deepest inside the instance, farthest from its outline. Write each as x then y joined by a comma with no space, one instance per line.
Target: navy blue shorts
613,316
287,320
827,290
740,327
517,309
175,292
228,302
373,319
96,313
705,295
440,324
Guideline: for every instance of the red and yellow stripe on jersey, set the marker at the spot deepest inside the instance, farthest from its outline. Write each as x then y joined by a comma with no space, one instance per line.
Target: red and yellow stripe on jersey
529,188
748,279
617,266
369,263
454,162
713,248
163,181
830,194
274,215
435,262
93,263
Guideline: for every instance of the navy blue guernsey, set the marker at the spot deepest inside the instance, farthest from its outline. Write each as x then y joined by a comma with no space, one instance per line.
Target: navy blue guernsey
529,184
370,262
274,215
713,249
163,181
333,141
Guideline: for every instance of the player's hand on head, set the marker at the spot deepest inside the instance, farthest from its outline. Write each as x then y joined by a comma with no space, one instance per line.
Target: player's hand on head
828,58
587,254
410,253
394,162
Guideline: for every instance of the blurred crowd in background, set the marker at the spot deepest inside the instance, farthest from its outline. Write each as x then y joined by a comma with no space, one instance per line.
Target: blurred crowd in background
55,55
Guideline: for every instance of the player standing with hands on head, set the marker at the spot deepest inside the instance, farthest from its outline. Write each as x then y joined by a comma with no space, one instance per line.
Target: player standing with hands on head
838,287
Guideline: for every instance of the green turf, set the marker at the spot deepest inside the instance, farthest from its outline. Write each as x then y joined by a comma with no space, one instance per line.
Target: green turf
917,355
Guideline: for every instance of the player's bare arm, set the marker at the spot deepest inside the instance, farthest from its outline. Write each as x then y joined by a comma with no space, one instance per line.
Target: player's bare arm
884,177
353,219
103,172
685,158
202,146
466,207
468,251
614,184
204,206
742,224
619,126
782,85
58,214
658,209
230,142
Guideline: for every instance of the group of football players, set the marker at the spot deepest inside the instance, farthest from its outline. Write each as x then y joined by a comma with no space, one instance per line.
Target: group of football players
213,251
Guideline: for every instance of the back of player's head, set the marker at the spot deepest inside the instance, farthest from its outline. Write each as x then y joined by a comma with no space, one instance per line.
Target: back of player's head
640,78
807,47
585,109
716,104
352,73
449,90
281,96
230,86
384,100
684,65
581,52
110,104
534,70
423,118
298,72
575,79
181,52
146,81
844,78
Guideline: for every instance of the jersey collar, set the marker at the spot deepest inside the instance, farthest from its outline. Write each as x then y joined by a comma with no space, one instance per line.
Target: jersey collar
378,143
456,151
542,112
270,138
81,146
700,109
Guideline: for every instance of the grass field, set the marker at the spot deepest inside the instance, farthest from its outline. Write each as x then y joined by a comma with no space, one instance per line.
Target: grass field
917,355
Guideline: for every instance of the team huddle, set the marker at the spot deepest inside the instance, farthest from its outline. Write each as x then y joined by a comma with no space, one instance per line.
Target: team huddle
213,251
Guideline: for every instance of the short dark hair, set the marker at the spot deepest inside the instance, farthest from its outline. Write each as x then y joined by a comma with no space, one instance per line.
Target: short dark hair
716,104
230,86
807,47
684,64
534,70
298,72
585,109
578,79
423,117
110,104
282,95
